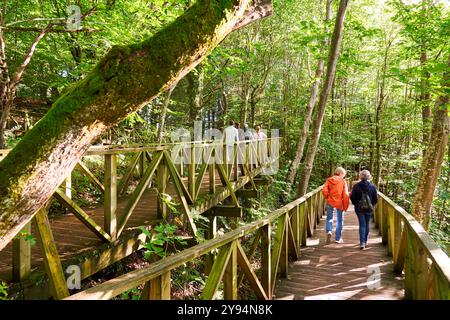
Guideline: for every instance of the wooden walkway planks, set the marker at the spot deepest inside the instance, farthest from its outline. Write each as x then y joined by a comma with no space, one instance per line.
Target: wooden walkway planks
341,271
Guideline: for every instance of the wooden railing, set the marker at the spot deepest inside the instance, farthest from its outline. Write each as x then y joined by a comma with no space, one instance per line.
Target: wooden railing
241,163
291,223
425,265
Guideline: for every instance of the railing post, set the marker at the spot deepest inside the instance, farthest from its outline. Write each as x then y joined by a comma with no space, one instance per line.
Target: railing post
142,164
110,201
391,232
161,178
295,218
22,255
302,224
191,171
284,255
212,233
266,261
230,275
51,259
384,224
157,288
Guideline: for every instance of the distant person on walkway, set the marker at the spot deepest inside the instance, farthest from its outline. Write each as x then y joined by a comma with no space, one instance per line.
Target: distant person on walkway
231,137
259,135
364,196
335,191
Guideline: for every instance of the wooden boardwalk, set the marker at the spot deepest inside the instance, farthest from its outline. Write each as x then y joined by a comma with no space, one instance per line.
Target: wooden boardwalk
72,238
342,271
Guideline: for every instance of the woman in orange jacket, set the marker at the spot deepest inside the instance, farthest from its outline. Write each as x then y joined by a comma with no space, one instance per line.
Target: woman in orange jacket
335,191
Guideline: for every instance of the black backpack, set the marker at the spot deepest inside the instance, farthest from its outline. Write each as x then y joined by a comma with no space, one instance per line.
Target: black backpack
365,204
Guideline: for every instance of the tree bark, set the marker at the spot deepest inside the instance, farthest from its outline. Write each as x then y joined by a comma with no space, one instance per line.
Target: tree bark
310,107
331,72
126,79
162,119
434,156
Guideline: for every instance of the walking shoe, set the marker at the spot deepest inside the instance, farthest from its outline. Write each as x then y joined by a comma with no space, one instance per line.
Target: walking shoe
339,241
362,246
329,237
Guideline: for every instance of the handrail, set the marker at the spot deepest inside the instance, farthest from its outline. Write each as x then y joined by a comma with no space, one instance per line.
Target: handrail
425,264
299,215
112,149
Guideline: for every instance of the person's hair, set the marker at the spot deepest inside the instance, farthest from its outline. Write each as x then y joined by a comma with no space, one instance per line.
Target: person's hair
340,170
237,125
231,122
365,175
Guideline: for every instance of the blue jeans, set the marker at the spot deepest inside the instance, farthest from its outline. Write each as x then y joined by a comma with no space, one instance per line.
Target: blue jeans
340,221
364,225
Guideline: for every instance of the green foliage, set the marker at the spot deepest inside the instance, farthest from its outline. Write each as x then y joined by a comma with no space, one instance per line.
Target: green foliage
3,291
159,239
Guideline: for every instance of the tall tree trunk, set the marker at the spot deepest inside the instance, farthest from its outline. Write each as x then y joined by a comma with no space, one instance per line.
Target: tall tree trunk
162,119
195,93
378,129
434,156
126,79
310,107
331,72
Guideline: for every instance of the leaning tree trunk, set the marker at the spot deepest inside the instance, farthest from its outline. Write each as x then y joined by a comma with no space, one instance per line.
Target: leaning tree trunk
331,72
126,79
434,156
310,107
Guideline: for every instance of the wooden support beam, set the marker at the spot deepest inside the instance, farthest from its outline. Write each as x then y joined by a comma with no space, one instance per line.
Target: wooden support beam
248,193
139,191
179,187
22,255
123,184
278,247
230,275
399,260
212,178
177,177
52,261
85,170
228,184
251,252
82,216
247,270
291,242
110,198
217,272
261,181
225,211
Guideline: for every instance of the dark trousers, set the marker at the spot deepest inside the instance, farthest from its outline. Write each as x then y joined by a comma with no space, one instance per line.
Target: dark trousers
364,225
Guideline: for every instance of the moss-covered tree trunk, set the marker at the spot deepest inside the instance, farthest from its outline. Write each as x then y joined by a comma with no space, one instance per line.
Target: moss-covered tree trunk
329,79
126,79
434,156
